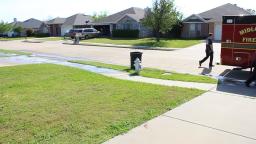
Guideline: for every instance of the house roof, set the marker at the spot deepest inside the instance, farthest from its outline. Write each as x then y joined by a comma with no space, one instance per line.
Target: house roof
32,23
56,21
215,14
77,19
16,24
194,19
133,12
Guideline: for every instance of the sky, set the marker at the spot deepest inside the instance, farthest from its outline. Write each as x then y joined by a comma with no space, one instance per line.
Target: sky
48,9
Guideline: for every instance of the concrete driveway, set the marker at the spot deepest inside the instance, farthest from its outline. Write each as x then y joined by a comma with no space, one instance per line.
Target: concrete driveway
183,60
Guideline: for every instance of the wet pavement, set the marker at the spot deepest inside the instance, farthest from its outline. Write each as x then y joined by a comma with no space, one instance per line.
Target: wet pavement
230,78
181,60
43,58
37,59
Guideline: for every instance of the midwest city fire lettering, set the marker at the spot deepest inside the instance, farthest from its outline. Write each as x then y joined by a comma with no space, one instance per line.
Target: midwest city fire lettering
249,40
247,30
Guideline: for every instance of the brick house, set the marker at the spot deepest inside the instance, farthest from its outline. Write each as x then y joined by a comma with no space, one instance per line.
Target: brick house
54,26
60,26
200,25
37,26
75,21
129,19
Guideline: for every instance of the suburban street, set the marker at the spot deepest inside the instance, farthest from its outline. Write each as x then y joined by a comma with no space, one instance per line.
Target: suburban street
183,60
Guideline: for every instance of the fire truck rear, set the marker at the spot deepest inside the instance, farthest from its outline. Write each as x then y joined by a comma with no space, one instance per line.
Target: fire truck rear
238,47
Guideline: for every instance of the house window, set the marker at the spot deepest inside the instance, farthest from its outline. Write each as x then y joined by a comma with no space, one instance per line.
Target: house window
199,27
192,27
114,26
127,25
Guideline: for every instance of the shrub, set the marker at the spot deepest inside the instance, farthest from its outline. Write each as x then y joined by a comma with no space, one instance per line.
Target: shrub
5,27
125,33
176,30
41,35
29,32
18,29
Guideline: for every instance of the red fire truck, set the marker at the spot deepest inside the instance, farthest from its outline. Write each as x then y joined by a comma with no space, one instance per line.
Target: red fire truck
238,47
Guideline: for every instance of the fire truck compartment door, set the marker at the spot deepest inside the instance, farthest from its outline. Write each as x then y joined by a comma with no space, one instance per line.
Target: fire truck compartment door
241,59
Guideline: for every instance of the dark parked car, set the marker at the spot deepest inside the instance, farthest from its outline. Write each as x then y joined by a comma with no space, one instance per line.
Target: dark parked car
84,33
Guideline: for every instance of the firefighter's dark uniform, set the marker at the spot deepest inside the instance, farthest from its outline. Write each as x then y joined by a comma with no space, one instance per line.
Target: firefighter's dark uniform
208,51
253,76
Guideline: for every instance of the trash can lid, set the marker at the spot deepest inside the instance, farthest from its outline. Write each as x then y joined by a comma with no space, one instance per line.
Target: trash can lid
136,52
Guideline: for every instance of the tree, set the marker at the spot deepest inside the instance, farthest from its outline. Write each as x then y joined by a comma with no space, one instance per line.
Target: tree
29,32
99,16
251,11
5,27
162,17
18,29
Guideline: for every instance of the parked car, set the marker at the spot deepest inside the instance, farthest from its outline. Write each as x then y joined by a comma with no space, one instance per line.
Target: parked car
84,33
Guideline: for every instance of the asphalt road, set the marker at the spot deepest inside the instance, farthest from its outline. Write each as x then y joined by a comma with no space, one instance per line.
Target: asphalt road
183,60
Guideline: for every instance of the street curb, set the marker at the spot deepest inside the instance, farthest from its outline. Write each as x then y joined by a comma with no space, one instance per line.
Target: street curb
126,46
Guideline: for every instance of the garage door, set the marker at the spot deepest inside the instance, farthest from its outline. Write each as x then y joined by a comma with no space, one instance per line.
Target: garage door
217,31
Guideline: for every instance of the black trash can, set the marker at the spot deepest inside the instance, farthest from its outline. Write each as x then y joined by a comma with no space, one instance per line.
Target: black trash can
134,56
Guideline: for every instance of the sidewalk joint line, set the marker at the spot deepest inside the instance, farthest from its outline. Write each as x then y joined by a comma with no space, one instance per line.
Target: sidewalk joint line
202,125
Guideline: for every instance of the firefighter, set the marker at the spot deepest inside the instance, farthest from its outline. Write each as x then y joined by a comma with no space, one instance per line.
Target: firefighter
253,76
208,51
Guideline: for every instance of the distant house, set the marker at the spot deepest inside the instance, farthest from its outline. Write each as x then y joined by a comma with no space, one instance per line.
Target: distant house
15,23
36,25
200,25
129,19
55,25
75,21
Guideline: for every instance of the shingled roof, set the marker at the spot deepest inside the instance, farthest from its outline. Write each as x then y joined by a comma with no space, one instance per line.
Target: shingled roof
56,21
77,19
16,24
32,23
216,14
133,12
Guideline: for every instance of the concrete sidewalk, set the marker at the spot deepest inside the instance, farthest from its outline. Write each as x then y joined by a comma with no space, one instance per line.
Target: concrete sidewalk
126,76
213,118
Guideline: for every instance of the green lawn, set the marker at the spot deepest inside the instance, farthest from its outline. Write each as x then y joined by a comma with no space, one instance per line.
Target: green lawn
47,103
154,73
44,38
53,38
169,43
14,52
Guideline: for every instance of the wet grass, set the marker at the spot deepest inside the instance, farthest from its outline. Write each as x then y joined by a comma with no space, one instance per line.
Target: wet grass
47,103
168,43
154,73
